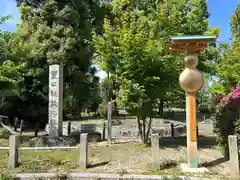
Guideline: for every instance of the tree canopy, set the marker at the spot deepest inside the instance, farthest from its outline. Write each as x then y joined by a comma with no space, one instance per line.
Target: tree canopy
134,50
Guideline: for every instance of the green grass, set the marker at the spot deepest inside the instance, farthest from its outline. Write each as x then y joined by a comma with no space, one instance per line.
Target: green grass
41,160
38,160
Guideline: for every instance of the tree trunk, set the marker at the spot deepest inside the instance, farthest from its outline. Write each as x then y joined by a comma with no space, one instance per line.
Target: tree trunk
149,127
140,127
144,131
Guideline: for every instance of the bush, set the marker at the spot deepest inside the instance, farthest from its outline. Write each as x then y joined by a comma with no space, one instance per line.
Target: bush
227,120
204,110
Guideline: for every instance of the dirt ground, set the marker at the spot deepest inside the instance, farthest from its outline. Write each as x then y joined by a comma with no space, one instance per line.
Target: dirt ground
134,158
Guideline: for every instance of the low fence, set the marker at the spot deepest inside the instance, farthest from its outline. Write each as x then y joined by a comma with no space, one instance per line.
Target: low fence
234,160
14,150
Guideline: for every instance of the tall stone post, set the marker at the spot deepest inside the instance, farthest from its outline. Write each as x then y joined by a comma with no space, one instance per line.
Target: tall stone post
55,105
191,80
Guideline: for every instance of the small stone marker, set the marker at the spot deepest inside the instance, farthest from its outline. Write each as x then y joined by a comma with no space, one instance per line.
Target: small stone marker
83,151
55,104
234,154
13,151
109,118
155,151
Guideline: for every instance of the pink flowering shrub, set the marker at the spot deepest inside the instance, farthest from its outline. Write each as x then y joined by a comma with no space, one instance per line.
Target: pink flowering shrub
227,118
236,94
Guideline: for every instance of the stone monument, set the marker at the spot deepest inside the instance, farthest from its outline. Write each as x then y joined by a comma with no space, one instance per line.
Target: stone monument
55,104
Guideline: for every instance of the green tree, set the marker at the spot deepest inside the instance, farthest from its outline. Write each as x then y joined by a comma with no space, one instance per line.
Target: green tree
134,51
53,32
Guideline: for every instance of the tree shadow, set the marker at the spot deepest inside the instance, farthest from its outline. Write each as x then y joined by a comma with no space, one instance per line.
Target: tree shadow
3,137
202,142
97,164
214,162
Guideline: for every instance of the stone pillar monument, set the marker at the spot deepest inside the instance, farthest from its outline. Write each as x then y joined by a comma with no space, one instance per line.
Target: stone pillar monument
191,80
55,104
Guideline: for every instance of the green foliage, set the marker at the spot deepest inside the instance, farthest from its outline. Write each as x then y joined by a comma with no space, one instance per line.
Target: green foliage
227,121
133,50
226,69
6,177
3,19
53,32
103,109
106,86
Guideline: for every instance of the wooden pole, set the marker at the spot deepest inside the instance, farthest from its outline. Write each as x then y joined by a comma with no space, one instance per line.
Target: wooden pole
191,130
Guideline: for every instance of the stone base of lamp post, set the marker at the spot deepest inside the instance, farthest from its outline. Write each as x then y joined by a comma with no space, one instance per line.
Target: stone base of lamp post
186,169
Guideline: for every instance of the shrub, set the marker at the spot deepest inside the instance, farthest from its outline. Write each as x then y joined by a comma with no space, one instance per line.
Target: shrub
227,120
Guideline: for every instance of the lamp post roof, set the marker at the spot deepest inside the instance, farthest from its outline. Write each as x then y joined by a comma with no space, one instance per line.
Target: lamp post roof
189,44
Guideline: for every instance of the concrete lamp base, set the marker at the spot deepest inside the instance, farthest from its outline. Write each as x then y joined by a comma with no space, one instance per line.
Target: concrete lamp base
186,169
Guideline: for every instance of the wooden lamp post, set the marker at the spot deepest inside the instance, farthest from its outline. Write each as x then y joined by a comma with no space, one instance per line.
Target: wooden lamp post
190,80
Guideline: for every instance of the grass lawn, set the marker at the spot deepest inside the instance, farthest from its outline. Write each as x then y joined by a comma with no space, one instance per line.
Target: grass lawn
41,160
38,160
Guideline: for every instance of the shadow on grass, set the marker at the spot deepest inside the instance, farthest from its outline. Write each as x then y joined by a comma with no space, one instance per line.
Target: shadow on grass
215,162
97,164
3,137
168,165
202,142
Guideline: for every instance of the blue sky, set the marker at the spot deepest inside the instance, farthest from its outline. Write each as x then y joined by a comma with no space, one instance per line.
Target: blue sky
220,10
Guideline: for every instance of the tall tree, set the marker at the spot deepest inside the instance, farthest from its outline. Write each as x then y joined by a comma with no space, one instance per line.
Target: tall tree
54,32
134,50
